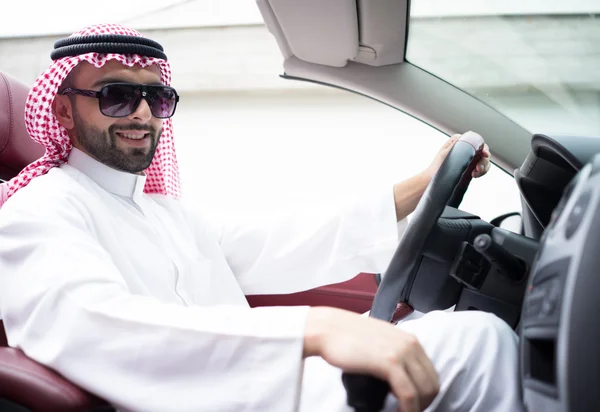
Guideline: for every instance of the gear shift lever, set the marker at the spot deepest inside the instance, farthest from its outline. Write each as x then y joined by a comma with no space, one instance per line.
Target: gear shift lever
365,393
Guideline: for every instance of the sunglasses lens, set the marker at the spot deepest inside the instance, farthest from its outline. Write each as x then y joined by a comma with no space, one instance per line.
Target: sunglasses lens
119,100
162,101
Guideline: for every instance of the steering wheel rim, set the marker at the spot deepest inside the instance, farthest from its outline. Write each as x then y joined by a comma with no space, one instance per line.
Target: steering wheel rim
447,187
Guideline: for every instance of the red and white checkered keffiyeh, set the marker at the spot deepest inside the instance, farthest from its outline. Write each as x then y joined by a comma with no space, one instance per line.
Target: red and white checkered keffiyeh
43,127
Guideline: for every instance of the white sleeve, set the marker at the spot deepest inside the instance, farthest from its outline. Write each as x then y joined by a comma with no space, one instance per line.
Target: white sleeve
313,248
67,306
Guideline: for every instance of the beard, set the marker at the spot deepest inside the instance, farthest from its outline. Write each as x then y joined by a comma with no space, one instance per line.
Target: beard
102,145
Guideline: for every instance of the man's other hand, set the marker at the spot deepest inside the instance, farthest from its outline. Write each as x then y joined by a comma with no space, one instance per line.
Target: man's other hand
358,344
482,168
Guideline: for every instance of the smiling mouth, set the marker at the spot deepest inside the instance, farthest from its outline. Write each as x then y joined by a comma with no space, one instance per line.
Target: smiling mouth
133,135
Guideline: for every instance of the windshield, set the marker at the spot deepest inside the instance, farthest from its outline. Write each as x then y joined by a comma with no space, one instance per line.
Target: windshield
537,62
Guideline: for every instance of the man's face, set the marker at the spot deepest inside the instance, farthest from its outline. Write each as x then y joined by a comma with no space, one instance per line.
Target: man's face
126,143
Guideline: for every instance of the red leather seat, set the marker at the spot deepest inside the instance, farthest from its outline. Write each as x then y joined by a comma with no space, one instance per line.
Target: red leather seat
17,150
23,382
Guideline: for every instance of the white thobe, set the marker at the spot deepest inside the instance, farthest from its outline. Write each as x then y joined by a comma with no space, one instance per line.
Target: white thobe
142,302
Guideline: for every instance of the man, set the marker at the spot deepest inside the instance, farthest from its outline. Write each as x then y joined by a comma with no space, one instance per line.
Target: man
108,279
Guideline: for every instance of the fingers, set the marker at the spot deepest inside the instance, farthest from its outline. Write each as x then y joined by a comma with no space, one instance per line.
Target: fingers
486,151
453,139
484,166
480,170
414,385
413,380
450,142
404,390
425,378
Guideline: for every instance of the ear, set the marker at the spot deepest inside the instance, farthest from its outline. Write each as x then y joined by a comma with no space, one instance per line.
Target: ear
62,108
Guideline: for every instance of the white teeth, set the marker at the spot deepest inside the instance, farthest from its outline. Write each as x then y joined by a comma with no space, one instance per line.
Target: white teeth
133,136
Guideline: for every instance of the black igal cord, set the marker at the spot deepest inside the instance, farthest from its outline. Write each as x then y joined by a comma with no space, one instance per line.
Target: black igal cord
107,43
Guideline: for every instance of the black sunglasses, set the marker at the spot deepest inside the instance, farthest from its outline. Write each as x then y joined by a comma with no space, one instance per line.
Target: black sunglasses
123,99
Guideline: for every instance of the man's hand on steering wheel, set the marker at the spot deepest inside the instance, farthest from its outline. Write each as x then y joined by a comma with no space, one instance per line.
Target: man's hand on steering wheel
408,193
482,168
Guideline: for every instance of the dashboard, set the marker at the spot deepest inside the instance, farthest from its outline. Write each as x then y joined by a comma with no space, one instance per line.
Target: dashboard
559,355
552,163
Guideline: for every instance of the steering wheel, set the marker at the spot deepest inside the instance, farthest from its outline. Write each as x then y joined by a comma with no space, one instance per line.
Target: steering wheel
448,186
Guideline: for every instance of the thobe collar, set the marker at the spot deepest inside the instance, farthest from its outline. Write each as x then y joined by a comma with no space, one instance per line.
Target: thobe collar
121,183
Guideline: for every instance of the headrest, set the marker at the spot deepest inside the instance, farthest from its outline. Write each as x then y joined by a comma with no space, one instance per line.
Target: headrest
17,149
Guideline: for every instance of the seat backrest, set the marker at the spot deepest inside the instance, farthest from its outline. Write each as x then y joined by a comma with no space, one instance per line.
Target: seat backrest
25,384
3,338
17,149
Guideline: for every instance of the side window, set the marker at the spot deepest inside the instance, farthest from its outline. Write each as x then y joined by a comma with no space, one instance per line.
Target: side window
263,151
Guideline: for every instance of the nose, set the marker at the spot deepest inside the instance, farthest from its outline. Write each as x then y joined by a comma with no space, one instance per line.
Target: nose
142,112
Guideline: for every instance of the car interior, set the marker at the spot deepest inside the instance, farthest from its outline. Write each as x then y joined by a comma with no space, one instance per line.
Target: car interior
539,280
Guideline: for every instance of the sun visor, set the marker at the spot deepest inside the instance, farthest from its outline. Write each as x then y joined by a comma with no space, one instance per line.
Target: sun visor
382,31
332,39
333,32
